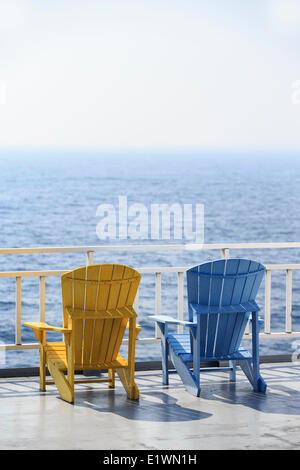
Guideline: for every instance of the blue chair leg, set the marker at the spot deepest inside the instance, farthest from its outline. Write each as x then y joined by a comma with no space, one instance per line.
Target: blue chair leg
259,384
165,356
232,372
164,352
188,378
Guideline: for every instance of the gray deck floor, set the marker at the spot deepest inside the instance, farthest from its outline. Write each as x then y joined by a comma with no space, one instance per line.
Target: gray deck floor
227,416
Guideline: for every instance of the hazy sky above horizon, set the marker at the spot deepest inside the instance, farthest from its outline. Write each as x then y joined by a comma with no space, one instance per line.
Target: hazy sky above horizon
155,73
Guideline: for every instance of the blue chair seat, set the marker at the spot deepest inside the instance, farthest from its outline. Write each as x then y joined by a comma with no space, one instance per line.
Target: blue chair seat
181,346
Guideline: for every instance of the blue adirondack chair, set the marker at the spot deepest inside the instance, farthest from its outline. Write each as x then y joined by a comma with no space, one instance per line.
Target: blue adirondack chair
221,299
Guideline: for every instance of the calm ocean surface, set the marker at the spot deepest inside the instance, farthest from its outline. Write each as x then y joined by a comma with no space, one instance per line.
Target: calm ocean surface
51,198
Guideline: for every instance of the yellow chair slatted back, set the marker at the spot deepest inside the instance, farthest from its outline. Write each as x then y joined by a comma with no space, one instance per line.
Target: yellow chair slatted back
99,299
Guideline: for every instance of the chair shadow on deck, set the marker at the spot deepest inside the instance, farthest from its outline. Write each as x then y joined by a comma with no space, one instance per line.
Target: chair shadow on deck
159,407
280,398
155,404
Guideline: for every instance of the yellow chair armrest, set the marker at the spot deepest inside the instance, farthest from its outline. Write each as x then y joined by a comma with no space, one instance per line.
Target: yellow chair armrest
42,326
138,329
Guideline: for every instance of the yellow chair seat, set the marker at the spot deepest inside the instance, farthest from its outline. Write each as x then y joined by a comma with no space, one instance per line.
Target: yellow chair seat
57,354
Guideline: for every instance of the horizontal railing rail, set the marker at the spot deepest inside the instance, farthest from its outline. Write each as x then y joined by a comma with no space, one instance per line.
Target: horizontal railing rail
152,247
157,272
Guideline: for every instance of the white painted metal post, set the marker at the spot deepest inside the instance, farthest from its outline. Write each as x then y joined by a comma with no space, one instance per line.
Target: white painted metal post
136,303
42,297
90,257
18,309
268,302
225,253
157,301
288,310
180,297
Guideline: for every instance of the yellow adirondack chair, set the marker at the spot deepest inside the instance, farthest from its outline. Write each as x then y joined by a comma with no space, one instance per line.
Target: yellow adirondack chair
97,309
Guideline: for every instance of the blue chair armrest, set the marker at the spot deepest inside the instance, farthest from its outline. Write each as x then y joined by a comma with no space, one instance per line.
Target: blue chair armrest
167,319
260,322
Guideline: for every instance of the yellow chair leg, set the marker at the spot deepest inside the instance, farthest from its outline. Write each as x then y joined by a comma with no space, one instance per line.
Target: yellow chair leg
65,389
126,375
42,369
111,376
128,383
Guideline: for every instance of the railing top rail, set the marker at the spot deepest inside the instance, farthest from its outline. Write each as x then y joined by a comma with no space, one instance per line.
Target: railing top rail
152,247
273,267
32,273
59,272
143,270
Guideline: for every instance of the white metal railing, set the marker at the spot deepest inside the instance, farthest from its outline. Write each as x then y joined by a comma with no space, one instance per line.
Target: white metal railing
158,273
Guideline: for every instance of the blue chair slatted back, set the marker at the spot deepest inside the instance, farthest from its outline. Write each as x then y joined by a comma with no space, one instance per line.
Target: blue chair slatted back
217,284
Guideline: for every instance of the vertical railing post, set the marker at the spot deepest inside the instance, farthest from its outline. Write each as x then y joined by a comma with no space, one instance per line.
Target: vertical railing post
42,297
157,301
90,257
136,303
225,253
180,296
268,302
18,309
288,308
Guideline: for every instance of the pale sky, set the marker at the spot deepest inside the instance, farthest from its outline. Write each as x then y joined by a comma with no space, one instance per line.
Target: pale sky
150,73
